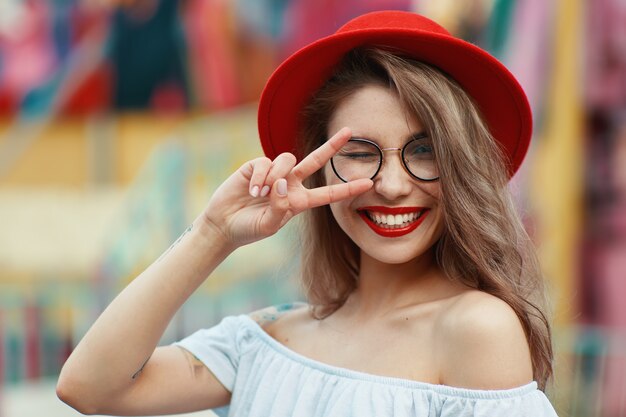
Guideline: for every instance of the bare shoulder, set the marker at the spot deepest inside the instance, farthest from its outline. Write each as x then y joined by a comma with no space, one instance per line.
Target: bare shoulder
482,344
269,316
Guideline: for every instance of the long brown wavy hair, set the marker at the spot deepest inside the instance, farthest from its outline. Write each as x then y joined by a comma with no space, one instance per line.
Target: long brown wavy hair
484,244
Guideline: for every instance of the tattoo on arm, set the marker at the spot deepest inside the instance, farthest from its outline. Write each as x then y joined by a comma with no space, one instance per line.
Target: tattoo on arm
176,242
271,314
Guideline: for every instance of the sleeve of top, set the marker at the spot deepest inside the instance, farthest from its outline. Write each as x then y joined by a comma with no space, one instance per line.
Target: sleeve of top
218,348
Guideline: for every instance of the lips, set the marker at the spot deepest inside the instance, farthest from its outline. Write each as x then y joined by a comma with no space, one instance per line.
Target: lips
393,221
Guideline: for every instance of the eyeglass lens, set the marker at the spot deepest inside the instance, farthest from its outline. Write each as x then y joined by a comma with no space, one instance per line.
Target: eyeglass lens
360,158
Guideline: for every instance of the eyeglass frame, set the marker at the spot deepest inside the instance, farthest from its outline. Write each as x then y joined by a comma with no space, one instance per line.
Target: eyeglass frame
382,157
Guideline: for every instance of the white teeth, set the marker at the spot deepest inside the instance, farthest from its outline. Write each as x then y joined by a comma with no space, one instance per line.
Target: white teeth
391,221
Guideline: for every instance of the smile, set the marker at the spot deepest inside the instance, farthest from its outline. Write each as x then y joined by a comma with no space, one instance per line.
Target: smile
393,222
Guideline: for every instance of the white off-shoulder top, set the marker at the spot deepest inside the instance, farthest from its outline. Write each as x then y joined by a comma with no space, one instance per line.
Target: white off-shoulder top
267,379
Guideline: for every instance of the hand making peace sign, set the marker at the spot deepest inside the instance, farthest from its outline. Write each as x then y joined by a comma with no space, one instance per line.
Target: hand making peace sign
263,195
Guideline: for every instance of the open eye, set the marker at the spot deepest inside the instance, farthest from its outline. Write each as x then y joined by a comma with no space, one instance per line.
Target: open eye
419,149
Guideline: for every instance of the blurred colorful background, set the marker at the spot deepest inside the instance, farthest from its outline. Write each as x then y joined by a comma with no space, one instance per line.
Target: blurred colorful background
119,117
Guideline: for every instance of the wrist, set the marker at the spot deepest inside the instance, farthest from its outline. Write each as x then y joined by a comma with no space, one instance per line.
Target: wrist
209,233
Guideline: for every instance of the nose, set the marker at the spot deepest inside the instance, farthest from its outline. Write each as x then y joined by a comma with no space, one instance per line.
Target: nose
392,181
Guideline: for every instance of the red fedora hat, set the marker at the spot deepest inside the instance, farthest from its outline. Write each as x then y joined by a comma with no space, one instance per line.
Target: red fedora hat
494,89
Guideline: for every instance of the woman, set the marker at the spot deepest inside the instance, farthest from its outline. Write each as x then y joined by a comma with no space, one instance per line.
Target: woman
424,296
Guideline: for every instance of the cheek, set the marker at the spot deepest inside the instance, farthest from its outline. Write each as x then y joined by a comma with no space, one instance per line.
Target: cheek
341,212
439,223
433,189
335,210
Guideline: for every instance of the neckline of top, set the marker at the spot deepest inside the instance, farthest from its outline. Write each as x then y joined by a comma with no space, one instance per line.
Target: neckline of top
386,380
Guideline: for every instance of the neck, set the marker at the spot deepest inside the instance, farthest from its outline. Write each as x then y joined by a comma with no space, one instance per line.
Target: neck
384,288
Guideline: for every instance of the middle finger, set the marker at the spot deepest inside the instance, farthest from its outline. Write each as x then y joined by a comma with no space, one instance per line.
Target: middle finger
332,193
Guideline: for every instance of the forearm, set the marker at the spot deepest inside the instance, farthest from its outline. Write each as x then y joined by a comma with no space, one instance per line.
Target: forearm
122,339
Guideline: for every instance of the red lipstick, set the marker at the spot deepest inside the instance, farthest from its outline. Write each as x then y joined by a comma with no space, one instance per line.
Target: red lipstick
388,231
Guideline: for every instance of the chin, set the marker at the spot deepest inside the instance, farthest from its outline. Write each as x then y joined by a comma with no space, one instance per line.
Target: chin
387,254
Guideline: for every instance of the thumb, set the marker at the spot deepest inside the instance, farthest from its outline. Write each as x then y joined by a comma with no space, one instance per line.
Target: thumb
279,204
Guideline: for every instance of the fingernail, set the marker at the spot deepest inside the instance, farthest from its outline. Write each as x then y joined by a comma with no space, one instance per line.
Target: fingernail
254,192
281,187
265,190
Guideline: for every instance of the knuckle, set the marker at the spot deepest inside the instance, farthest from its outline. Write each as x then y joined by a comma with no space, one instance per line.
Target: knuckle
249,165
319,161
291,158
332,193
260,165
285,160
297,172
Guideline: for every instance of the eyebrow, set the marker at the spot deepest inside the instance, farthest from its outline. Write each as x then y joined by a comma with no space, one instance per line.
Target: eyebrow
418,135
413,136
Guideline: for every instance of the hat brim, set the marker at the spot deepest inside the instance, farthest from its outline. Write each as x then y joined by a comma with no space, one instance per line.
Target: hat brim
493,88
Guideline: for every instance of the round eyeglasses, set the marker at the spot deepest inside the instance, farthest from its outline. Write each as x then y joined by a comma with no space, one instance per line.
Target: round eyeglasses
362,158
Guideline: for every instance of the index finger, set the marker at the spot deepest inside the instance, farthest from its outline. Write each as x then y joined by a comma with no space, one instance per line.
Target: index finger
318,158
